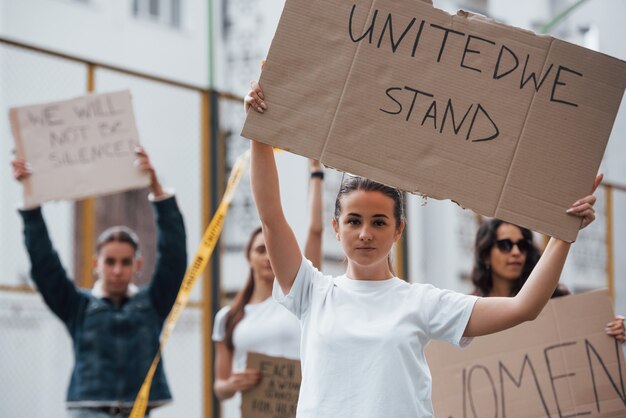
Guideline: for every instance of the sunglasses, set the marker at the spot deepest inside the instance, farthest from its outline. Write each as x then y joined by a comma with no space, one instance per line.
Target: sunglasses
506,245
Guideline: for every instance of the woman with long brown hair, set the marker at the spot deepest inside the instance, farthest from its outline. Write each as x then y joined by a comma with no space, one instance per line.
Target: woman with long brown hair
363,333
504,256
254,321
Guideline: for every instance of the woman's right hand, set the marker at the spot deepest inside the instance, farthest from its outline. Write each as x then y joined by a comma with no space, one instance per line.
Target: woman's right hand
255,98
243,380
21,169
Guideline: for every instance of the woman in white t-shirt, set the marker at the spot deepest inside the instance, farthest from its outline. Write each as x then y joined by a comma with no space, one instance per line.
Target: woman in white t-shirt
363,333
255,322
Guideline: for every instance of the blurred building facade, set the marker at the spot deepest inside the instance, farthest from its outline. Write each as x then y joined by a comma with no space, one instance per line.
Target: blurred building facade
165,39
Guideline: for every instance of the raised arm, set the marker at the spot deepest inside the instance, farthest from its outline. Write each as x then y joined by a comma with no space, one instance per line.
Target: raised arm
56,288
495,314
313,245
280,240
171,259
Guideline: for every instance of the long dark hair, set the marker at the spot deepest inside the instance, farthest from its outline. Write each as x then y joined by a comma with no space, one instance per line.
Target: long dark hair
485,240
236,312
355,183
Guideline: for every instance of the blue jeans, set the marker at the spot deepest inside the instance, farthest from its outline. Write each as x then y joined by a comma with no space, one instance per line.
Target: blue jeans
92,413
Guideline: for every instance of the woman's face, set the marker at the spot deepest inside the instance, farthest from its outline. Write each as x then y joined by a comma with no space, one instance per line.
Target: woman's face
115,265
259,259
507,265
367,228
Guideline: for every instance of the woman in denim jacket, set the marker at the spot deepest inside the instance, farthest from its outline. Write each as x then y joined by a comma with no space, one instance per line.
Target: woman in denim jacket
115,327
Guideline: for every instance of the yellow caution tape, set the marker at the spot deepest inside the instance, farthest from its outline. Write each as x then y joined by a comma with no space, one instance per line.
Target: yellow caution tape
195,269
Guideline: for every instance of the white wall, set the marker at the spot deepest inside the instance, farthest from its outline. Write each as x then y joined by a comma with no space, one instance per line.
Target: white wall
106,31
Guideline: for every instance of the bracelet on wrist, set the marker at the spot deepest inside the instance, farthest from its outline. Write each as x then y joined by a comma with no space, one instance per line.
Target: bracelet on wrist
319,174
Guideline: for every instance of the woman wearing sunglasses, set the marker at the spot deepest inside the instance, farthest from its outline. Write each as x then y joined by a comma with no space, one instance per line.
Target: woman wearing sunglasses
504,257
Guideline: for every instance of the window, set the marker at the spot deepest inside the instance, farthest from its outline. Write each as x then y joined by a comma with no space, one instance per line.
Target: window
163,12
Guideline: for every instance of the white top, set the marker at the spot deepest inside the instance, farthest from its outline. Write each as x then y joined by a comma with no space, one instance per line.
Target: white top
363,341
266,328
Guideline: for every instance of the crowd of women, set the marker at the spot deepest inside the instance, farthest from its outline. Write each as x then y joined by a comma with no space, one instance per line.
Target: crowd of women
360,336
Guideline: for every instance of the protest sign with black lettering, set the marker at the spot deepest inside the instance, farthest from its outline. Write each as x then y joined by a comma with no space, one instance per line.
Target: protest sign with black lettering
560,365
78,148
500,120
277,394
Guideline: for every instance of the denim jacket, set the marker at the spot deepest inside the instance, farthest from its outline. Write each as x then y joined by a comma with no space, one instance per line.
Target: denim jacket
113,345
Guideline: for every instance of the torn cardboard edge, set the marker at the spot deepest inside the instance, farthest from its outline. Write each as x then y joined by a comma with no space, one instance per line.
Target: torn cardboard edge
559,224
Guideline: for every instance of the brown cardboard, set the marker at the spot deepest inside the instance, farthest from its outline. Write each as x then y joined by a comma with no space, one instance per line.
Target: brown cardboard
77,148
559,365
277,394
329,99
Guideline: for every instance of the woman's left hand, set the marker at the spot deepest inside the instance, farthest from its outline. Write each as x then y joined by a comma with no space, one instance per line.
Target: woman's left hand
616,328
583,208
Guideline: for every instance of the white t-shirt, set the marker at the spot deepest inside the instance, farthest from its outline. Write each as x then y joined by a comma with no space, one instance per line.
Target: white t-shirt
267,328
363,341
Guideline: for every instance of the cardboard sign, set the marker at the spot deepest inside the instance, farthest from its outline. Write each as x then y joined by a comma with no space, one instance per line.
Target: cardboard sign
500,120
560,365
277,394
78,148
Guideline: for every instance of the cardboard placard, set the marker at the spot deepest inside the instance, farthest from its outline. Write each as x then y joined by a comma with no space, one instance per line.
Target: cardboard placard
560,365
500,120
277,394
78,148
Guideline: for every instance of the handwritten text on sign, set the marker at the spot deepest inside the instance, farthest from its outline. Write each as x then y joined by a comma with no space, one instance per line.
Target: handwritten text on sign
557,366
455,107
78,147
402,35
277,394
